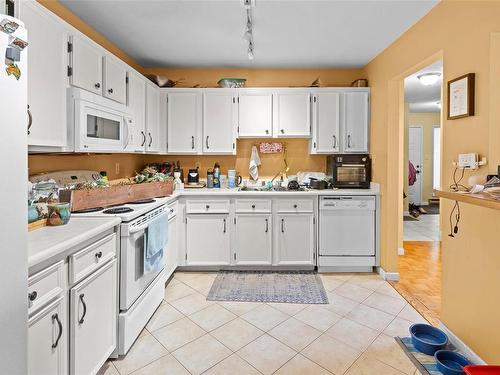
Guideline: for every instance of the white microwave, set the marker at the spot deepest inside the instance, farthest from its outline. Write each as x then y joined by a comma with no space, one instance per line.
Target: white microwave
100,125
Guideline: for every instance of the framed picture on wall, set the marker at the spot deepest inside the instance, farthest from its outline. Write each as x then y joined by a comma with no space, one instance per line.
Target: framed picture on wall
461,96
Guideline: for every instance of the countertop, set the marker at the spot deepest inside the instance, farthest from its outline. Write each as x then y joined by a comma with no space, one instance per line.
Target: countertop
48,245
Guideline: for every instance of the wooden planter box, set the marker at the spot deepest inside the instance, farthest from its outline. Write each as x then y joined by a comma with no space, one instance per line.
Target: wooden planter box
114,195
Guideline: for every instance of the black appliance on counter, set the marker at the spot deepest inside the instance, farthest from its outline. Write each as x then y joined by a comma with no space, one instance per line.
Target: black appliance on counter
193,176
350,171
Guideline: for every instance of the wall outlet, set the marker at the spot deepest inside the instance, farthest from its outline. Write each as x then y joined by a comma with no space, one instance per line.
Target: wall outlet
468,161
197,165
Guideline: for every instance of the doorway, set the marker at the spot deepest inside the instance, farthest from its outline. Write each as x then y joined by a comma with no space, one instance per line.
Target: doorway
420,259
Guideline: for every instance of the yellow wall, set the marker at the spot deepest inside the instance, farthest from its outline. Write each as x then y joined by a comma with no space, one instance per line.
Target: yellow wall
459,32
427,121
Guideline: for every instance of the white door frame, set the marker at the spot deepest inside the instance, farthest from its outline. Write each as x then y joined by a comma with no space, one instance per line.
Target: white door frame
421,174
434,161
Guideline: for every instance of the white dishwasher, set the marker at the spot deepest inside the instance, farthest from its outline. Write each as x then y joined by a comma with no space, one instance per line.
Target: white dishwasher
347,227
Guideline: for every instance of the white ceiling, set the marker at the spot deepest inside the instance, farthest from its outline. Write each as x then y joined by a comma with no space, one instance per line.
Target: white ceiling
423,98
293,33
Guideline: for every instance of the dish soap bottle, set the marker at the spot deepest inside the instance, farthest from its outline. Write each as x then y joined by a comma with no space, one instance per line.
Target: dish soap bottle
216,175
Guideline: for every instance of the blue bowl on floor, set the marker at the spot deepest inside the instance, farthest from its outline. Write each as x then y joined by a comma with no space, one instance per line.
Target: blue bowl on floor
450,363
427,339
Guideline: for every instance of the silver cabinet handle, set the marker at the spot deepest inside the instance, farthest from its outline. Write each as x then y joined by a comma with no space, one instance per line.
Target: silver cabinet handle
348,141
80,321
282,225
150,139
207,143
30,119
334,141
224,220
143,139
59,324
267,225
192,142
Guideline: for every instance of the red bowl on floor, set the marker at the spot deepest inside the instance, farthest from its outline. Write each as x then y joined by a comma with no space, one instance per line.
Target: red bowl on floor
482,370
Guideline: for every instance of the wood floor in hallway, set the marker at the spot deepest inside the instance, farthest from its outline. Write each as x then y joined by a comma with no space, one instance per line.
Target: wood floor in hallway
420,277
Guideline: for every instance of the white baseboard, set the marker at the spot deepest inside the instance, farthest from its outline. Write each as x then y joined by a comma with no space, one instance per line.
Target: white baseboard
389,276
461,346
401,251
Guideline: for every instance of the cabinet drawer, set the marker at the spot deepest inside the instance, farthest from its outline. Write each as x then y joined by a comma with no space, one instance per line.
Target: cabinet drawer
45,286
206,206
253,205
295,205
91,258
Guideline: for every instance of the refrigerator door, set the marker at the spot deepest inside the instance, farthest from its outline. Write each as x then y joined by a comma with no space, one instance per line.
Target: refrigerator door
13,189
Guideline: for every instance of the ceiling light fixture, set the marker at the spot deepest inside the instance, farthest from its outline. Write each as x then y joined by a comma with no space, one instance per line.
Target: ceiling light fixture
428,79
248,35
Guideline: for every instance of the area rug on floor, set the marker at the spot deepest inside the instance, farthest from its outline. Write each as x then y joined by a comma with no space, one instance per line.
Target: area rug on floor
268,286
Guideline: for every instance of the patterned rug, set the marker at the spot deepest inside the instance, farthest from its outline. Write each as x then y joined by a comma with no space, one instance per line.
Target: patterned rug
268,286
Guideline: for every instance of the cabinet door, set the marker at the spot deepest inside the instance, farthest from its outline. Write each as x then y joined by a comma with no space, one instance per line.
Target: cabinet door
47,345
93,320
137,105
255,114
87,65
115,79
252,240
183,122
47,64
207,240
293,114
295,239
219,119
326,123
153,140
356,115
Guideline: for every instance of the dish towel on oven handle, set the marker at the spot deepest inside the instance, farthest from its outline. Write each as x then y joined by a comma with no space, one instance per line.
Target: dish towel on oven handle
155,240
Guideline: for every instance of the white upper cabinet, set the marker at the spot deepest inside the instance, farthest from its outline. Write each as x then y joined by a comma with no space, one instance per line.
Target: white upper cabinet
86,65
219,119
326,123
47,75
356,119
184,116
115,79
153,137
137,105
292,113
255,113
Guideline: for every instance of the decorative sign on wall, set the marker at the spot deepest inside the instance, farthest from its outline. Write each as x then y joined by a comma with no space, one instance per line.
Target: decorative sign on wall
461,96
270,147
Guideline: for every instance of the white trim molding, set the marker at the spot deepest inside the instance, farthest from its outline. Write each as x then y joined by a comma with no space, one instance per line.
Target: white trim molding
389,276
401,251
461,346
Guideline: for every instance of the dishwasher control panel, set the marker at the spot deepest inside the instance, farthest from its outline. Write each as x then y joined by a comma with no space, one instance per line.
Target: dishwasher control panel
347,203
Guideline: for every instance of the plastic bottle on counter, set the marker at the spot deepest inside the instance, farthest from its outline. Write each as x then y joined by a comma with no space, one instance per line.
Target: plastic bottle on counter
210,179
216,175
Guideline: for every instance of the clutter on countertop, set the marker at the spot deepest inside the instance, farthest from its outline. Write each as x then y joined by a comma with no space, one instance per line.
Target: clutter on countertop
59,214
210,178
216,175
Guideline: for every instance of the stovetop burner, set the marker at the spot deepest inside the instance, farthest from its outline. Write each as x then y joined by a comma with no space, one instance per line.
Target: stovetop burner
88,210
118,210
143,201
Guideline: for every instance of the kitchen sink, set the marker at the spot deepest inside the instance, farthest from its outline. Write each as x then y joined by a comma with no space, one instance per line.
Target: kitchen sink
273,189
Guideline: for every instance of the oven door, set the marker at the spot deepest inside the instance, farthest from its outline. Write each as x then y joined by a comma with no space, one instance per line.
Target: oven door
133,280
99,128
350,175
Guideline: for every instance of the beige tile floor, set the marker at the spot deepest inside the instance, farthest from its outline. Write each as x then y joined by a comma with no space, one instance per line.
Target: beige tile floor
352,335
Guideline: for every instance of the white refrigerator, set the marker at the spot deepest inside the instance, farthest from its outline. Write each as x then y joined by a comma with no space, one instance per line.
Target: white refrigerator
13,191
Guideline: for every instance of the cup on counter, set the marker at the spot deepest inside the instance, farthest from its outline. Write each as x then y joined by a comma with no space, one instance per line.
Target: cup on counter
59,214
223,181
233,179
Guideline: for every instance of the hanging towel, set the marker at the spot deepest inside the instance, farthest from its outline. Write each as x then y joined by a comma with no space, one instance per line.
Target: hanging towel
412,174
253,169
155,240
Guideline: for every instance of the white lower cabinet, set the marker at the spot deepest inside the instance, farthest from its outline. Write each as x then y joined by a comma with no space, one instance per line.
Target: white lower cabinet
93,320
207,239
171,249
253,239
47,340
294,239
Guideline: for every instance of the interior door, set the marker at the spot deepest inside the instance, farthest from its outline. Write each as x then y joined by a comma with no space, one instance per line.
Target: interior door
183,122
87,65
47,64
153,140
326,122
255,114
219,119
115,79
415,145
356,119
207,239
93,318
293,114
137,105
253,244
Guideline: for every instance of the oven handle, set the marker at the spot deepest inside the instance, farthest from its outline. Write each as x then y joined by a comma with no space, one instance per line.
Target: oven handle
352,165
144,226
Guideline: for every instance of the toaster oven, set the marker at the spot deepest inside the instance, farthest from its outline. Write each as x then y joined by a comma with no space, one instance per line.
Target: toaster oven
350,171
